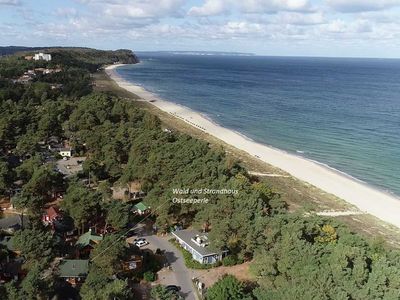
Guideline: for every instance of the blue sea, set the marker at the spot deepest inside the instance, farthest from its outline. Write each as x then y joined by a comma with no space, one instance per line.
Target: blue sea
342,112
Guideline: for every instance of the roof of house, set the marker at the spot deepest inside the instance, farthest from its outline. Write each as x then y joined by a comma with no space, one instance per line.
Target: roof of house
87,239
52,212
140,206
73,268
14,221
13,266
53,138
186,236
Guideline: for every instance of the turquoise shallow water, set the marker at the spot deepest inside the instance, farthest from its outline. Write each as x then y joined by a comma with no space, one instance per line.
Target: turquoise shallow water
344,113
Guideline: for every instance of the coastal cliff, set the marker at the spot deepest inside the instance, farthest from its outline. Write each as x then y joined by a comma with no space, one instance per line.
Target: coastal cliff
86,58
92,59
125,56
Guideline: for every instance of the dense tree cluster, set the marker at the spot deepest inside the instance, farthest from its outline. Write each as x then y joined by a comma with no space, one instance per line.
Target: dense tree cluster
307,258
106,261
90,59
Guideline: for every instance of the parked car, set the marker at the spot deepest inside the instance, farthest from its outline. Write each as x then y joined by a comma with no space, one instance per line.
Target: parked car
130,233
141,243
139,239
173,288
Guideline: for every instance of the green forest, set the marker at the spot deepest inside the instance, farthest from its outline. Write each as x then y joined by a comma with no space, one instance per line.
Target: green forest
292,256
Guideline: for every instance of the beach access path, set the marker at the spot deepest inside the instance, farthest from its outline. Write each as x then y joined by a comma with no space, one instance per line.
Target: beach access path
365,198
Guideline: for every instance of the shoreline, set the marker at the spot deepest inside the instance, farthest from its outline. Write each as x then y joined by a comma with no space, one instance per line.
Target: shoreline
368,199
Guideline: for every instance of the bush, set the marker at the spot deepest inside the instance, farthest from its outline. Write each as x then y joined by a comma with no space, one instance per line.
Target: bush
159,292
230,260
149,276
228,287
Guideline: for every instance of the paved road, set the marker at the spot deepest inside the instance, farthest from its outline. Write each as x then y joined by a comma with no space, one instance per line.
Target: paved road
180,275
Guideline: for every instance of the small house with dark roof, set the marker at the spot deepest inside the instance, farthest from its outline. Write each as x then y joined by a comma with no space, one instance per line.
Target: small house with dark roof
74,271
198,245
134,263
13,223
11,269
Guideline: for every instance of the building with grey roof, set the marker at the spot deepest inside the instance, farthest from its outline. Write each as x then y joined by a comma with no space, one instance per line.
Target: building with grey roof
197,244
13,223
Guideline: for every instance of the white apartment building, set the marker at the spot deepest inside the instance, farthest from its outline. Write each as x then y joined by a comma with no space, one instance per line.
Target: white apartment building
42,56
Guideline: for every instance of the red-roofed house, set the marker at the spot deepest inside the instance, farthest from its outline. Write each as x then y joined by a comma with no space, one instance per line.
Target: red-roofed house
51,214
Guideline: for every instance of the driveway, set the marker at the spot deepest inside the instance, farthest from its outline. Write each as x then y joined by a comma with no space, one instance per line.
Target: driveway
180,274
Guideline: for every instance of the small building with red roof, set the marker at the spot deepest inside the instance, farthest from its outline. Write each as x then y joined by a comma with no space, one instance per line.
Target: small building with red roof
52,214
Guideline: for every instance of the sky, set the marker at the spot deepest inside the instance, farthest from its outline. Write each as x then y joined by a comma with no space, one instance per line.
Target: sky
350,28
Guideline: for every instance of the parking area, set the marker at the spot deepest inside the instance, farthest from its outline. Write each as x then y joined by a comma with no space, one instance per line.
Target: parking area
70,166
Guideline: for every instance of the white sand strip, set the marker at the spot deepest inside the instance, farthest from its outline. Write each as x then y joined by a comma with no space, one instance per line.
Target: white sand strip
339,213
366,198
266,174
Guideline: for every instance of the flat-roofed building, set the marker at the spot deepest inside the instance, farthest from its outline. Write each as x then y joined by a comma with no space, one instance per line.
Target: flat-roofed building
197,244
42,56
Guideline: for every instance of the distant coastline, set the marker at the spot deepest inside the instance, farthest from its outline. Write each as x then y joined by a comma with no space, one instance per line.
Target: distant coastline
206,53
366,198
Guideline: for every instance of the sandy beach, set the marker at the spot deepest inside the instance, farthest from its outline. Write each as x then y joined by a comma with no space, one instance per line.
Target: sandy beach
366,198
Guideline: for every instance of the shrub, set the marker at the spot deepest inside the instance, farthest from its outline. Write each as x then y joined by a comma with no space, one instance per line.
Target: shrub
230,260
228,287
149,276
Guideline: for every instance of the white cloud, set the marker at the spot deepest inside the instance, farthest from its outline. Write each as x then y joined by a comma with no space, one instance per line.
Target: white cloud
10,2
216,7
351,6
356,30
137,8
66,12
210,8
295,18
262,6
242,27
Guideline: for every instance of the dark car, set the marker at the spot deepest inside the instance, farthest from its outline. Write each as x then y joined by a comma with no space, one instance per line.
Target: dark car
130,233
173,288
